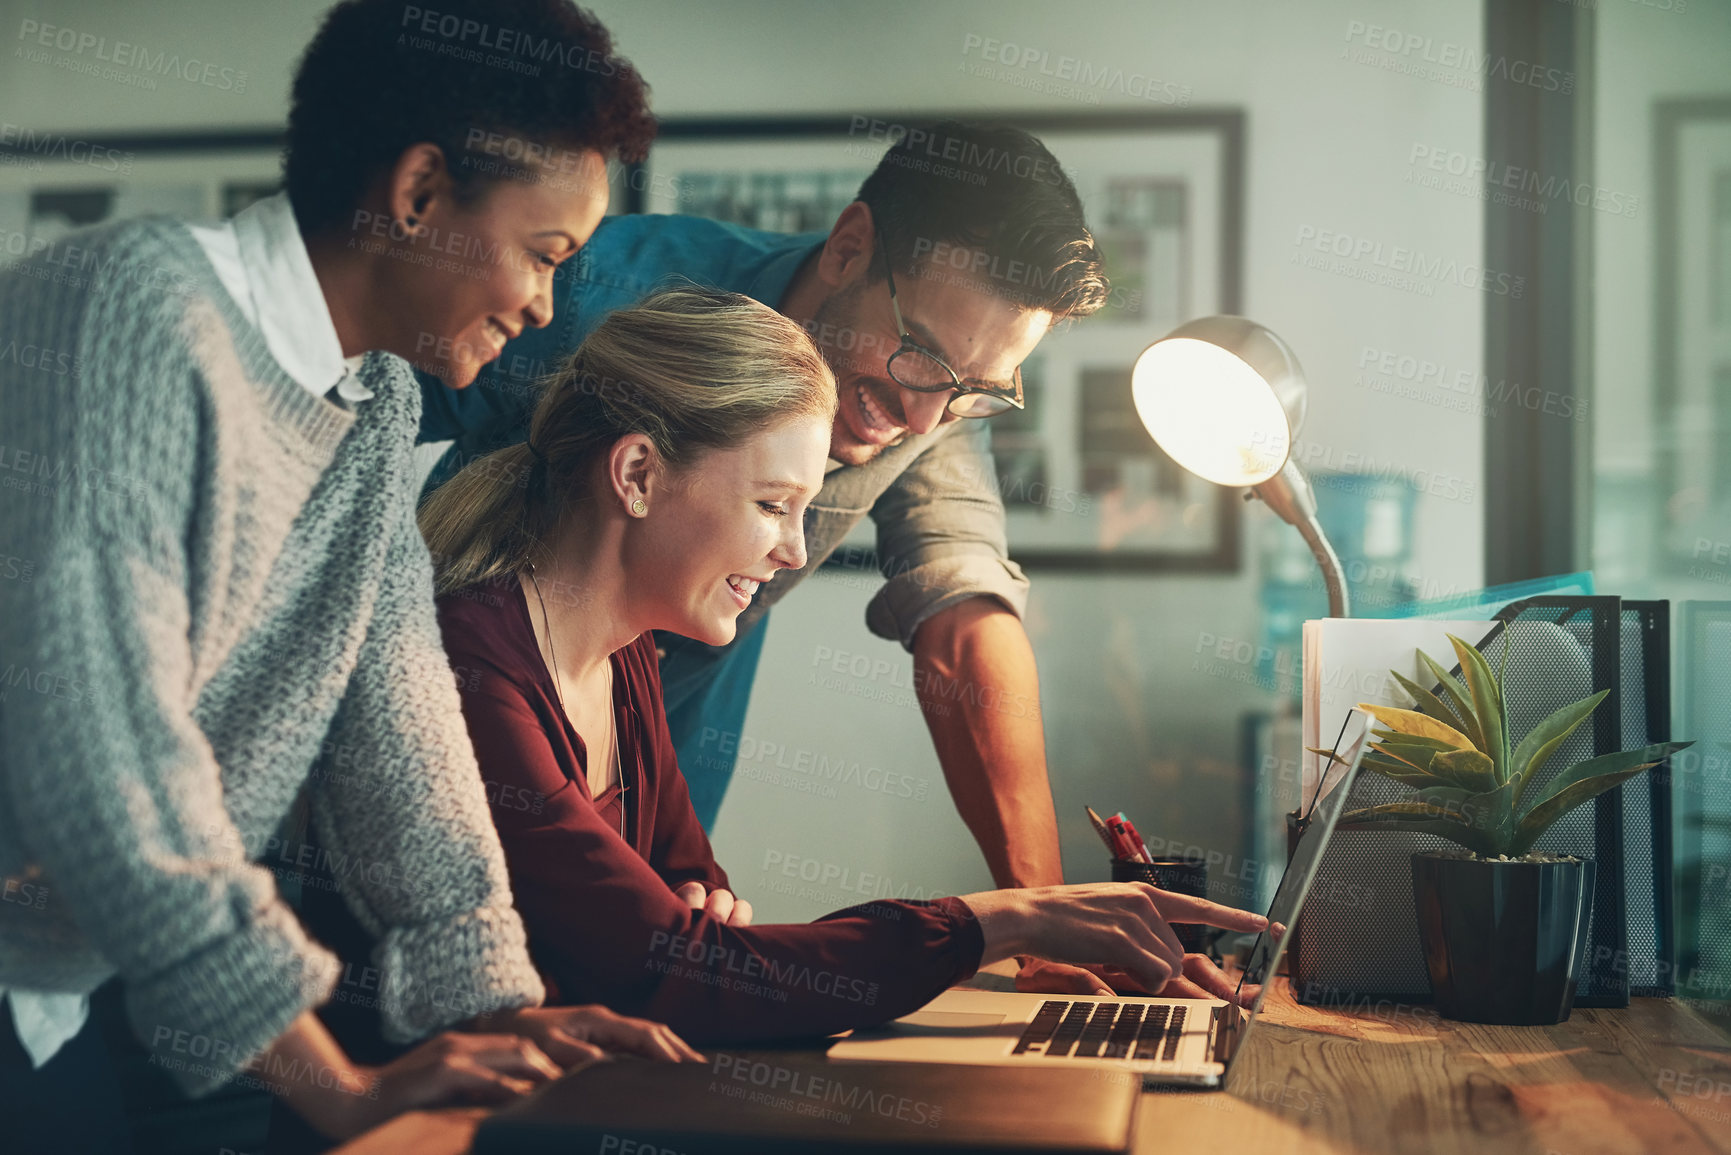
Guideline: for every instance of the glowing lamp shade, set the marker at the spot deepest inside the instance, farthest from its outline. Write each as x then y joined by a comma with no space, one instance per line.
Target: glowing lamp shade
1210,412
1223,397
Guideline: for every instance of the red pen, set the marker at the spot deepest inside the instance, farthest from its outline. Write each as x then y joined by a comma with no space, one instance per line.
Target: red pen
1136,840
1116,837
1123,829
1121,839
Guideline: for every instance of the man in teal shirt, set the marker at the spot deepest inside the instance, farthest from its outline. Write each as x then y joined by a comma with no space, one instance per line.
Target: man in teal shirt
965,246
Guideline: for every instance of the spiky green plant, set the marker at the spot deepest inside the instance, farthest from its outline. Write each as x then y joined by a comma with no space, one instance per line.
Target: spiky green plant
1471,788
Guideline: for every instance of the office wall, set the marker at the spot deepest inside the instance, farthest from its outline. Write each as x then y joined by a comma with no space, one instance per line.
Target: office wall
1336,112
1668,51
1645,54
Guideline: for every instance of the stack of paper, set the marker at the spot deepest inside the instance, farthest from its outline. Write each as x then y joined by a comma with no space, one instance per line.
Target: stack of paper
1347,661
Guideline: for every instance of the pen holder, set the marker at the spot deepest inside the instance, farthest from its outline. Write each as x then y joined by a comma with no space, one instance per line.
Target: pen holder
1187,875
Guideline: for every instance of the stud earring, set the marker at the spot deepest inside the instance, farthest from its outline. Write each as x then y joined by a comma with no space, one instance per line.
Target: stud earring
638,507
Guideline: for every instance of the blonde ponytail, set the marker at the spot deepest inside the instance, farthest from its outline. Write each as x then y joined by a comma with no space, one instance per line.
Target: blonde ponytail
481,524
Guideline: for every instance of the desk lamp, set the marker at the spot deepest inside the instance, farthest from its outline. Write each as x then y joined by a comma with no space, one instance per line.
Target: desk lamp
1224,397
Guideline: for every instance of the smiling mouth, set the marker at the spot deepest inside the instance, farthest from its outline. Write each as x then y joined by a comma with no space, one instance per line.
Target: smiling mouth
498,334
879,425
743,588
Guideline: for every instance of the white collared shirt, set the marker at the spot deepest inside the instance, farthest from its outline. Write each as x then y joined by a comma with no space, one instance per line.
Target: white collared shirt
45,1020
262,261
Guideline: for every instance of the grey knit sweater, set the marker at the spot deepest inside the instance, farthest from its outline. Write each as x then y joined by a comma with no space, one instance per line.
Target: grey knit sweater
218,597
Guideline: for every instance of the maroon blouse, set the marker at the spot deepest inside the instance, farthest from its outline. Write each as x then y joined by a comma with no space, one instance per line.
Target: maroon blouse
604,924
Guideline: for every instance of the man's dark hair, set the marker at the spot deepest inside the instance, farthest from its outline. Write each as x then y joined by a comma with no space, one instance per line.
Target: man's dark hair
998,192
494,83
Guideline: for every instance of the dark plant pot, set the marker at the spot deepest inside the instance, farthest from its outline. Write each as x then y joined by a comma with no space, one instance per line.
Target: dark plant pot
1501,939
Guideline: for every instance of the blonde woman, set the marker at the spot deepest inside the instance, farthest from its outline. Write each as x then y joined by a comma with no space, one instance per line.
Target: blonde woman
667,470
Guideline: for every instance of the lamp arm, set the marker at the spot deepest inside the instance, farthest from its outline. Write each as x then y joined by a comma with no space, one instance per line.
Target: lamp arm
1289,495
1339,604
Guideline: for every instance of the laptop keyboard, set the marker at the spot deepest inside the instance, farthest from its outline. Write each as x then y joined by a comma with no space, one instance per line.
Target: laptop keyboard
1141,1031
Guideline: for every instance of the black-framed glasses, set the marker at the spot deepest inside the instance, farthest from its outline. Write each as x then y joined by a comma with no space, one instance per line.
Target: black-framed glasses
913,366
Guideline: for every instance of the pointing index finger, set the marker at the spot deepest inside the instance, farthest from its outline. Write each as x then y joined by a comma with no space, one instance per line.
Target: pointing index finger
1187,908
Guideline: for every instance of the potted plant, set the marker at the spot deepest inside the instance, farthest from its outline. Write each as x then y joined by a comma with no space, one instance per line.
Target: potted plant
1500,925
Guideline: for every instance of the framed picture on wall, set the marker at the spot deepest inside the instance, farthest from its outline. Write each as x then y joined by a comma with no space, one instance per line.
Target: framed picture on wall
50,186
1084,486
1691,503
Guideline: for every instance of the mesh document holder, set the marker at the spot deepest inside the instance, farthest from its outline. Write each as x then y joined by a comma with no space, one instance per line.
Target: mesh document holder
1645,644
1702,777
1359,934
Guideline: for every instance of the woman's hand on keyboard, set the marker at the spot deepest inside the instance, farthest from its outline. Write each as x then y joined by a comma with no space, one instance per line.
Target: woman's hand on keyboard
1201,979
1116,924
581,1034
1043,977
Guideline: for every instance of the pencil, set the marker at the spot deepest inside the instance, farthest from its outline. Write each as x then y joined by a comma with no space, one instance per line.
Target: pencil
1100,829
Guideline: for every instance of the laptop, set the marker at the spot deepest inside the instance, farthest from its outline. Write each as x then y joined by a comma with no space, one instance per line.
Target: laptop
1167,1042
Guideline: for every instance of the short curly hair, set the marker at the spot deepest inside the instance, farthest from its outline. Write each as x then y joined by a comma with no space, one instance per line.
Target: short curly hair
382,75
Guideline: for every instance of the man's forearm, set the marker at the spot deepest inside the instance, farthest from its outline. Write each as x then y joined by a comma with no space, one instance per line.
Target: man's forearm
977,683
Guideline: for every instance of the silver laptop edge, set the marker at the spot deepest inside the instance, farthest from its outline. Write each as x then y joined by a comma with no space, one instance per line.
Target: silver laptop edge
1266,953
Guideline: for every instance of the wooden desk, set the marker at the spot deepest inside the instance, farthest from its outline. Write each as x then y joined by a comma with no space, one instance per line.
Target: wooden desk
1655,1078
1401,1079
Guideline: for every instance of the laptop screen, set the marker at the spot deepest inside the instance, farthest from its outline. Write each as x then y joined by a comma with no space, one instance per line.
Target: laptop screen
1301,868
